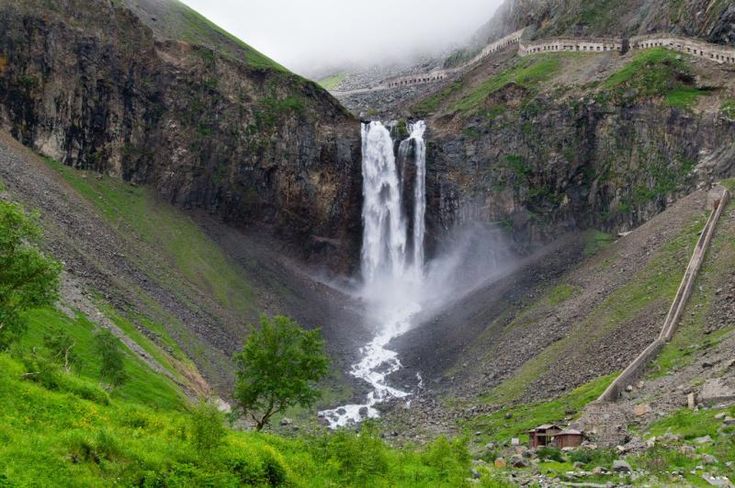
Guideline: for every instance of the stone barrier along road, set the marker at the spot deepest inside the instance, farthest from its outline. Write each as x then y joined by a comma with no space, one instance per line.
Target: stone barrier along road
694,47
438,74
637,367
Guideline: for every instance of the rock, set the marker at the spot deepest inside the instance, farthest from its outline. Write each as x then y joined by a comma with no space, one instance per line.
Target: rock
620,466
703,440
490,445
688,451
720,416
729,420
286,421
598,470
716,391
508,416
629,388
518,461
515,441
709,459
500,463
669,437
720,481
691,401
642,409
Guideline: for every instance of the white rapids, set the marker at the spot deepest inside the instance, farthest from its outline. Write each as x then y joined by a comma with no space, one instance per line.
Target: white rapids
392,280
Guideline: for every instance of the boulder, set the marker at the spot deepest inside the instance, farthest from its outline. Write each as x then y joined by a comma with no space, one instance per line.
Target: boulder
518,461
642,409
620,466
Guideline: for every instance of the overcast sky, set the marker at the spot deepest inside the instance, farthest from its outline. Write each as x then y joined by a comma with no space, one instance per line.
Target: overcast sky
307,34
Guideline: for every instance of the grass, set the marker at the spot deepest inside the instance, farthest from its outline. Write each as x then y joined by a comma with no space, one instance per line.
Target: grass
528,73
656,283
136,213
55,437
597,241
657,72
561,293
178,21
143,387
497,427
332,82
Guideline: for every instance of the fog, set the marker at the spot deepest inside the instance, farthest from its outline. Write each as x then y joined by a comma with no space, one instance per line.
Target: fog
320,35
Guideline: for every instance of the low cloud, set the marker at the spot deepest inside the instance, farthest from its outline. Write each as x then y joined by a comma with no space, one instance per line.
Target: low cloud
310,37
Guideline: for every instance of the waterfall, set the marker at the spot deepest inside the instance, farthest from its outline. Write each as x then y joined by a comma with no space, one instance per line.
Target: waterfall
419,225
384,226
392,284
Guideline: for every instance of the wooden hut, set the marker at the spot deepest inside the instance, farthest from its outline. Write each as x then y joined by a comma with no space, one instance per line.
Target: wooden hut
568,438
543,435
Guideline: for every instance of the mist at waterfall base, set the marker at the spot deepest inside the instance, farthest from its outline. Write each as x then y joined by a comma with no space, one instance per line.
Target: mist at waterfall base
399,290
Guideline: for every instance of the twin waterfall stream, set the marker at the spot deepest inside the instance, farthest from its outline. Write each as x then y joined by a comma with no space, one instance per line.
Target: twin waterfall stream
392,259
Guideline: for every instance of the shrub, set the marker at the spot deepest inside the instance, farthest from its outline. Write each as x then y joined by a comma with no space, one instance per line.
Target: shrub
112,369
550,453
60,346
207,427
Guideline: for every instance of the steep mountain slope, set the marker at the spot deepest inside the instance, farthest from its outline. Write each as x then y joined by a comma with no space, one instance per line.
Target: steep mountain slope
224,130
707,19
187,284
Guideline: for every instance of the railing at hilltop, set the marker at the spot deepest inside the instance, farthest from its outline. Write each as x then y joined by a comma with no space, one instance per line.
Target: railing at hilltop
703,50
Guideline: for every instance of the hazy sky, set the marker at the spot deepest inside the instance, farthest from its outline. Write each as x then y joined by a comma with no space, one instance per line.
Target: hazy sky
305,34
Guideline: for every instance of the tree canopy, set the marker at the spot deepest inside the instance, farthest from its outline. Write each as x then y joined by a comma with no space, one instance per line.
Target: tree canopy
279,367
28,278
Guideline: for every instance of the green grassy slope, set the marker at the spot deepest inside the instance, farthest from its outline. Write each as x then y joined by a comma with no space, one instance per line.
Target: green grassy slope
175,20
72,434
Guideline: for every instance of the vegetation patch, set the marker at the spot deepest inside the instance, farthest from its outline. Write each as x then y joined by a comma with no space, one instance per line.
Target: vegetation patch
137,214
332,82
515,420
528,73
656,72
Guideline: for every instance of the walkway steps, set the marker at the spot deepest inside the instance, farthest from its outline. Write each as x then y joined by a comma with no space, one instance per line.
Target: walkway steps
636,368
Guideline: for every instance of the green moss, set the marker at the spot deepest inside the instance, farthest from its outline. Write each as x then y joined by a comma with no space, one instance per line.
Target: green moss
684,97
561,293
596,241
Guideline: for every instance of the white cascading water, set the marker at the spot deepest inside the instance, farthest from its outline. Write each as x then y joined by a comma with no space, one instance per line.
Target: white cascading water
391,283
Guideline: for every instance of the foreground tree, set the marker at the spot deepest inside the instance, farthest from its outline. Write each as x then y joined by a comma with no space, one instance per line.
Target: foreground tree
278,368
28,278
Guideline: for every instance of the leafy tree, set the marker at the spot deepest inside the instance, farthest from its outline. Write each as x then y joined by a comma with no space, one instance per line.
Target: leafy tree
60,346
112,369
28,278
278,368
207,426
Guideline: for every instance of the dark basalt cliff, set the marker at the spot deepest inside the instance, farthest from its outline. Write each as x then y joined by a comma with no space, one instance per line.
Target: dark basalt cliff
91,85
556,166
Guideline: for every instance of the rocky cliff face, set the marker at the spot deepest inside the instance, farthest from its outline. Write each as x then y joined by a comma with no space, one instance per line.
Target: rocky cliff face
557,143
712,20
96,88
